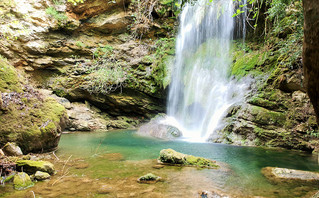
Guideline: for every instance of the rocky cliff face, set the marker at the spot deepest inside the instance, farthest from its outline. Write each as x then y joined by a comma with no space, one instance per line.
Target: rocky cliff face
109,53
114,56
278,111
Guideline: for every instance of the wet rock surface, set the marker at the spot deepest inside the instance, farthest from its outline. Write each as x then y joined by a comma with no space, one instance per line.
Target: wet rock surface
149,178
290,175
39,175
159,129
22,181
31,167
169,156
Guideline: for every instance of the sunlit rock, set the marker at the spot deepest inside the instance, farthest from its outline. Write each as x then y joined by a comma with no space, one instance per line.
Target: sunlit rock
169,156
157,128
31,167
11,149
149,178
285,175
39,175
22,181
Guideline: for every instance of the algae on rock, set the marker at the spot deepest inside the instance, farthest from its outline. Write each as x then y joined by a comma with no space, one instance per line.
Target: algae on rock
173,157
22,181
28,118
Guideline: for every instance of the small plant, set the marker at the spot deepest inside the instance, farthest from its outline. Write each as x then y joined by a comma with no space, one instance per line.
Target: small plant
59,16
79,44
103,51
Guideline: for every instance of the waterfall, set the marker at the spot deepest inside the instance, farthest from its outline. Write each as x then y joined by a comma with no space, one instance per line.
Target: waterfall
201,90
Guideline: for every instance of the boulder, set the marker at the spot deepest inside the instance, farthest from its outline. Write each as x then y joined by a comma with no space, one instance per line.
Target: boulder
11,149
285,175
39,175
22,181
32,167
159,129
149,178
169,156
32,121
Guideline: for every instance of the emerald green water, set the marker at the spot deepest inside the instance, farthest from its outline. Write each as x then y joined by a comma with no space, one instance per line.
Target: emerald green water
245,163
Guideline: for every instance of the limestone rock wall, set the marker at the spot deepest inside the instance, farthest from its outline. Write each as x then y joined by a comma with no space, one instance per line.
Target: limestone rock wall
91,51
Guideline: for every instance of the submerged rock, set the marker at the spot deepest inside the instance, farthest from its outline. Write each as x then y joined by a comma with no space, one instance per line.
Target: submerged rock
149,178
170,156
22,181
279,175
105,189
39,175
157,128
32,167
11,149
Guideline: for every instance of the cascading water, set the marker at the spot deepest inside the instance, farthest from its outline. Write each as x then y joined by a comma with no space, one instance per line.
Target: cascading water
201,89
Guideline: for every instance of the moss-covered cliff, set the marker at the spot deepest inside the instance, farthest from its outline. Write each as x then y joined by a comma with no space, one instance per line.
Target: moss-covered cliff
277,112
33,121
113,54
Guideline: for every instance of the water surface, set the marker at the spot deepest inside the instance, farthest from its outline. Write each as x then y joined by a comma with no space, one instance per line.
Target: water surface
242,176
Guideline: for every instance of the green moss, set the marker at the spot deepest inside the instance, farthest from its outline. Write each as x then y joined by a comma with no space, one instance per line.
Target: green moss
149,177
32,167
59,16
33,127
262,103
199,161
9,178
22,181
165,2
9,80
172,157
267,117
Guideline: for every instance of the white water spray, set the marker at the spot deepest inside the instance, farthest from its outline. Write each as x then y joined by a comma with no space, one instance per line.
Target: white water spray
201,90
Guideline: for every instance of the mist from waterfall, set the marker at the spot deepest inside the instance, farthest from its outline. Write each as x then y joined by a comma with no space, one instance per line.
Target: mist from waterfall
201,90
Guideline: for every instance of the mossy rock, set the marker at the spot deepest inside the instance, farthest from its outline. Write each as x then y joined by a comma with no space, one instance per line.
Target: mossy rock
39,175
29,119
8,77
31,167
9,178
22,181
292,176
149,178
36,127
170,156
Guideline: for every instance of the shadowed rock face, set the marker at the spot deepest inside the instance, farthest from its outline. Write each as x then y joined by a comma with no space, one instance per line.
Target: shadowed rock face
311,51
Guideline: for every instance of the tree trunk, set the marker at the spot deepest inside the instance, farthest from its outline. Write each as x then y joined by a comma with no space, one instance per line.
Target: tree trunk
311,52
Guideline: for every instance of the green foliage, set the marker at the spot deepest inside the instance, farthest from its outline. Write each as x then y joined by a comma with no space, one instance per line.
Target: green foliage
313,133
79,44
165,49
106,74
103,52
287,33
107,79
59,16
